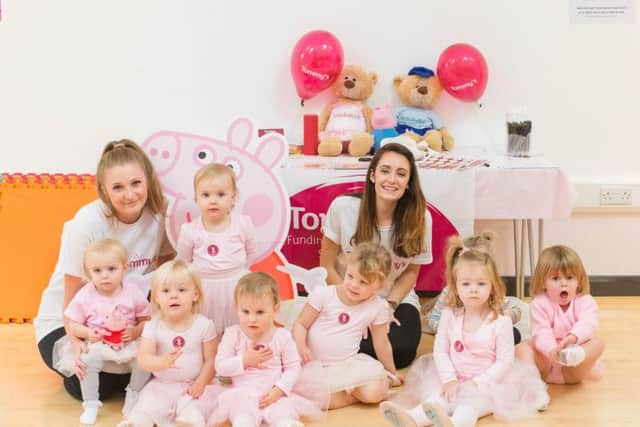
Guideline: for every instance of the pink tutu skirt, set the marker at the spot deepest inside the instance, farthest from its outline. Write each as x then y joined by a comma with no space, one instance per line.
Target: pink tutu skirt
218,299
519,394
161,401
309,399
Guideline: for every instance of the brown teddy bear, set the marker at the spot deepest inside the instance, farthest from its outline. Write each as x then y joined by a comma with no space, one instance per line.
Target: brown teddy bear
420,91
345,124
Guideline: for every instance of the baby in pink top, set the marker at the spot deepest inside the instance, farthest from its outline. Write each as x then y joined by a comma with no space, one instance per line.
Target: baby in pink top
264,365
334,320
473,371
108,314
218,243
564,318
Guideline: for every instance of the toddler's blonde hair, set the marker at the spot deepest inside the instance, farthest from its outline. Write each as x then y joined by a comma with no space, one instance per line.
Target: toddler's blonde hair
257,285
373,261
105,246
214,170
559,259
176,269
475,249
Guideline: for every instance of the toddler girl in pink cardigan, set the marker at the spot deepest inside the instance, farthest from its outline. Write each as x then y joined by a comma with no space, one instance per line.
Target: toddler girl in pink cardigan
564,318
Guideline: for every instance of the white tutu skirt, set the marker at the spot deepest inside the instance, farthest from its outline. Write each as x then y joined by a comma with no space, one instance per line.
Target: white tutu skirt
309,399
520,393
115,361
218,300
353,372
162,401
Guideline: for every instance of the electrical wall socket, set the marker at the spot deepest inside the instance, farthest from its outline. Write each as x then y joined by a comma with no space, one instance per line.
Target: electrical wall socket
617,195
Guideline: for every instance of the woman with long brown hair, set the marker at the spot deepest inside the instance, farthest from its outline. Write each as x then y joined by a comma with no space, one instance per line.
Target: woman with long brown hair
391,211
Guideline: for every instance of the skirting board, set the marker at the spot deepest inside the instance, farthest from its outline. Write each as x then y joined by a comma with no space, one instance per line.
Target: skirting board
601,286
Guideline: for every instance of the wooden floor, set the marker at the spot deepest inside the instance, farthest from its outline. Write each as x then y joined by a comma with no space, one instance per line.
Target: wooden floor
31,395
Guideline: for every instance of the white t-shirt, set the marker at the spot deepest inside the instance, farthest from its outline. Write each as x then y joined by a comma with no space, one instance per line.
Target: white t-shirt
340,226
145,241
336,334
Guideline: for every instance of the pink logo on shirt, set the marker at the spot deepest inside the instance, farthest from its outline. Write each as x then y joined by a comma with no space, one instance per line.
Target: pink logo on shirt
343,318
178,342
458,346
213,250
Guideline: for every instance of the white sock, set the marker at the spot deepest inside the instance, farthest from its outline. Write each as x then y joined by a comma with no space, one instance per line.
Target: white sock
419,416
90,413
243,421
288,422
572,355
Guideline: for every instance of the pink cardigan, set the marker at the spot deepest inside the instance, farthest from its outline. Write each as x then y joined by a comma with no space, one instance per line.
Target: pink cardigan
550,324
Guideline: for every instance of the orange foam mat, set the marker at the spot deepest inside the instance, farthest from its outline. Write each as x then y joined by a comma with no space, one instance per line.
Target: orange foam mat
33,208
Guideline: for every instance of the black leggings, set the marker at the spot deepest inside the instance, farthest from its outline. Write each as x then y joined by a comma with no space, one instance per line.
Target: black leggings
110,384
404,338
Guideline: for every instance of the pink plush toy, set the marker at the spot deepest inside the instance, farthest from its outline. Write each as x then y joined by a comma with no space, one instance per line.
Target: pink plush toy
115,324
383,122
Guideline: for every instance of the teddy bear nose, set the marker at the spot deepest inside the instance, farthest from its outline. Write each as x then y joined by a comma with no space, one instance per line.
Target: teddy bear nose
423,90
349,84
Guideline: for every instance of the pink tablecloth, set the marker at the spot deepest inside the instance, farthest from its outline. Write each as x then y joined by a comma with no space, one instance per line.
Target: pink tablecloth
503,193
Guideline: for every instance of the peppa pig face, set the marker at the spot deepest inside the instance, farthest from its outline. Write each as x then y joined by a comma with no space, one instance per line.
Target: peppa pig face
261,195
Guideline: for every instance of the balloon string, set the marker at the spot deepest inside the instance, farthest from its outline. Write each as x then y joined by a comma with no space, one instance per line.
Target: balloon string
301,102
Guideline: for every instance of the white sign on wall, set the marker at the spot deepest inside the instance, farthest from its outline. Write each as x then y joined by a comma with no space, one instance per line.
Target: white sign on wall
603,11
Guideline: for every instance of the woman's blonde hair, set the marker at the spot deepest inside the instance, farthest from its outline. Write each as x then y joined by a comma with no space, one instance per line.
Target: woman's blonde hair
559,259
408,236
105,246
125,151
176,269
373,261
476,249
214,170
257,285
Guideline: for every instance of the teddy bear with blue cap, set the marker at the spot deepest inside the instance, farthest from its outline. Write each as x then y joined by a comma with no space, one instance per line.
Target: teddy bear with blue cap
420,91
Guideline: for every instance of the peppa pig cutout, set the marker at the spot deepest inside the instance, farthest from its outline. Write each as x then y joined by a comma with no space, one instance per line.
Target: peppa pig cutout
177,156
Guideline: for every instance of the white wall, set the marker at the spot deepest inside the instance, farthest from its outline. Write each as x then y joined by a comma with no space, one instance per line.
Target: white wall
75,74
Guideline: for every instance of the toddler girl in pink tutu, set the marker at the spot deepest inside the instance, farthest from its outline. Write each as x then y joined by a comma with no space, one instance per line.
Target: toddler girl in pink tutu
219,243
264,365
178,346
472,371
334,320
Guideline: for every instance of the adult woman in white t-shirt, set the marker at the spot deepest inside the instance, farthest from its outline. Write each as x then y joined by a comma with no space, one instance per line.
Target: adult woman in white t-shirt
390,211
130,209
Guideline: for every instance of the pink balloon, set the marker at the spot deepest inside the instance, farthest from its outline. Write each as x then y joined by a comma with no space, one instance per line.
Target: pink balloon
316,62
463,72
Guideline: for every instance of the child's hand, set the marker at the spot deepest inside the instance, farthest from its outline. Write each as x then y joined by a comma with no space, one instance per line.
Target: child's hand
449,390
254,358
172,356
95,334
274,394
305,354
195,390
570,339
397,379
79,347
553,354
129,334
